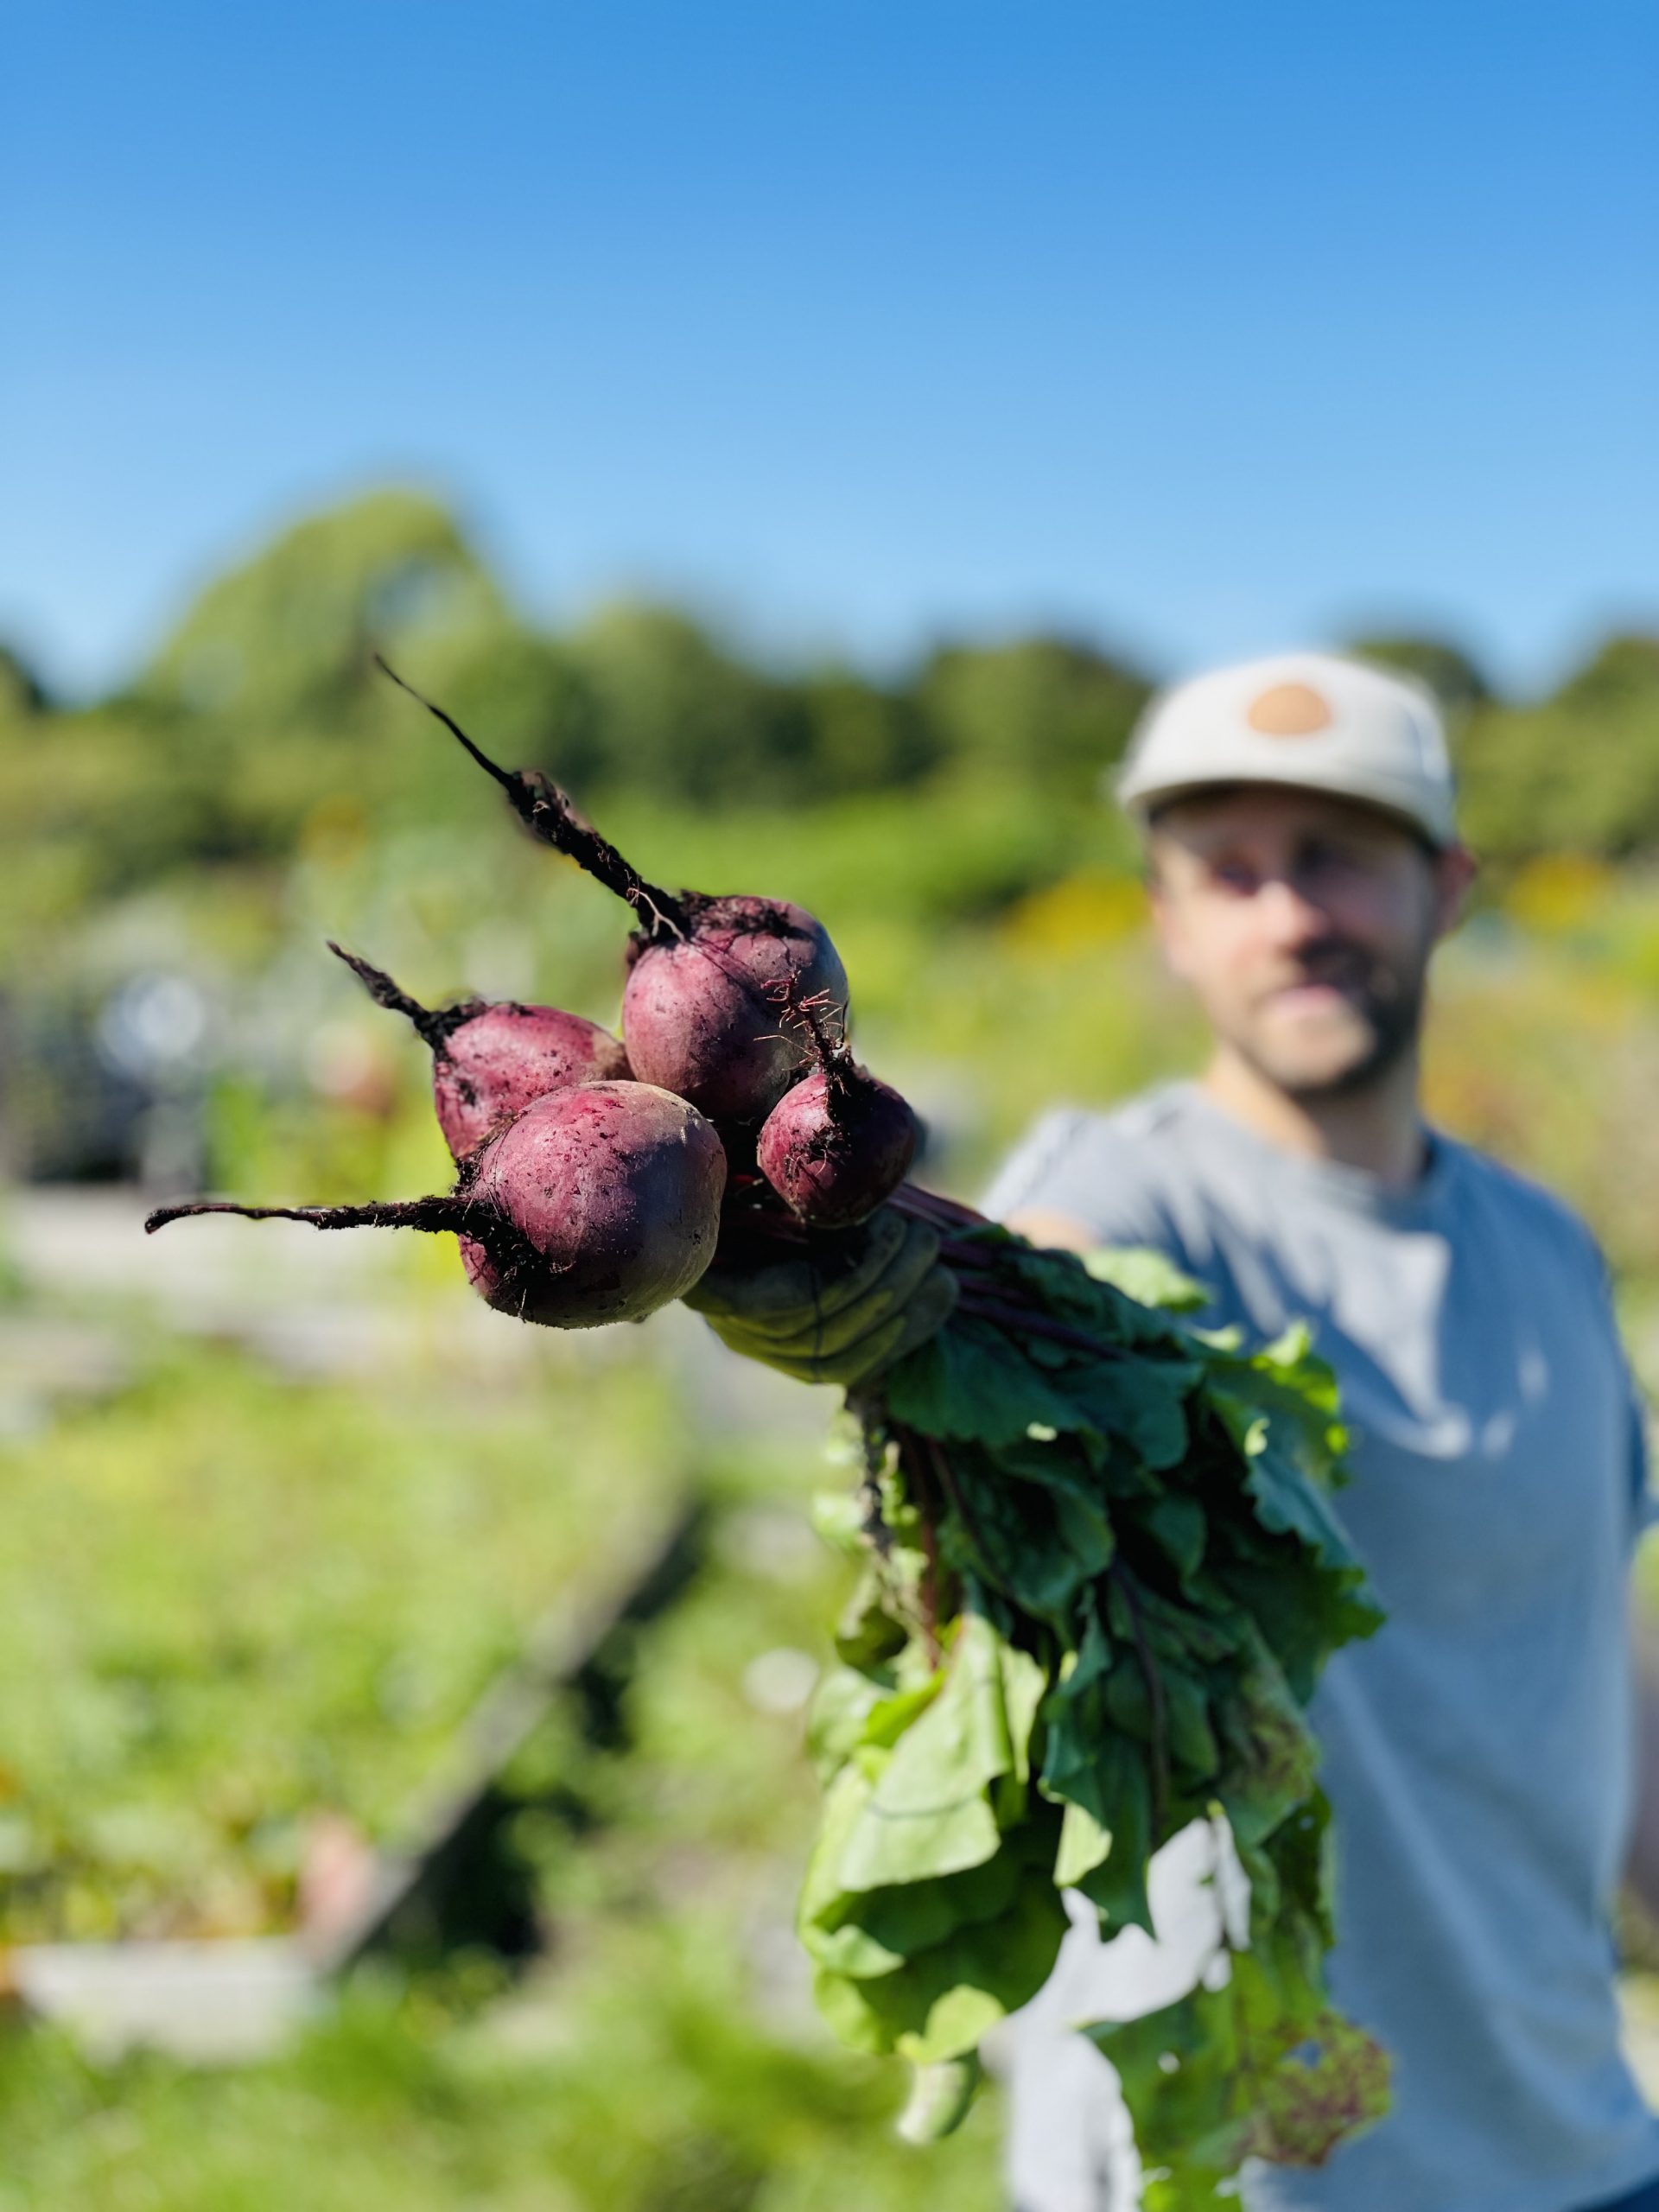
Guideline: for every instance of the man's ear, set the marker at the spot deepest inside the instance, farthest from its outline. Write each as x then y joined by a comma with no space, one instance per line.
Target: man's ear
1166,924
1455,870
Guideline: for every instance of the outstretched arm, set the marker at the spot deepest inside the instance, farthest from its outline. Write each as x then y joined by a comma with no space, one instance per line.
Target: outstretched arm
1042,1226
1642,1865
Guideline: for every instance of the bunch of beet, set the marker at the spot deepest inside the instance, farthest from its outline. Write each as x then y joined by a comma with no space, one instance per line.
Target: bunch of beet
593,1173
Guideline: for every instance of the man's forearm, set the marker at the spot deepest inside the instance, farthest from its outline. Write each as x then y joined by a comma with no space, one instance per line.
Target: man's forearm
1051,1230
1642,1865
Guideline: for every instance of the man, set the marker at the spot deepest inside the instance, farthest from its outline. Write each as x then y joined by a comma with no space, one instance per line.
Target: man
1303,862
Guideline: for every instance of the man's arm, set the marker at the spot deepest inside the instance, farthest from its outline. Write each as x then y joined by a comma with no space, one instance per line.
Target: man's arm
1641,1857
1072,1184
1641,1863
1077,1182
1043,1226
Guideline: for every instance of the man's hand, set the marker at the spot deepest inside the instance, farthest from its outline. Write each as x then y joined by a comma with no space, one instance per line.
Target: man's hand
840,1309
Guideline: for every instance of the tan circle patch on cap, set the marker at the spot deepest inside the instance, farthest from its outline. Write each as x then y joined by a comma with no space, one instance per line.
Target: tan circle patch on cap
1289,710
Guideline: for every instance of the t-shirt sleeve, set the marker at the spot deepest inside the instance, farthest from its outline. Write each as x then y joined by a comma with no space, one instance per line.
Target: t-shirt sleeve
1080,1166
1644,1506
1035,1170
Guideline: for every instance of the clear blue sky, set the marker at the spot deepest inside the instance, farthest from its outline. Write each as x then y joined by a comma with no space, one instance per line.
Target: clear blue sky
1202,329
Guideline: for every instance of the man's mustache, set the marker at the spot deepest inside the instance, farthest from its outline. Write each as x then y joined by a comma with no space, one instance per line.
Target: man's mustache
1337,962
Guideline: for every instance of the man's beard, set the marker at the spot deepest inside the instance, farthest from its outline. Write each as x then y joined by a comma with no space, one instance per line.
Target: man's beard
1388,1002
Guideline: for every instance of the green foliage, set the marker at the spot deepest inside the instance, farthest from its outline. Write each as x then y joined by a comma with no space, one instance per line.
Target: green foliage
230,1602
652,2088
1446,669
1580,770
1055,713
1103,1573
290,629
21,692
673,714
1257,2068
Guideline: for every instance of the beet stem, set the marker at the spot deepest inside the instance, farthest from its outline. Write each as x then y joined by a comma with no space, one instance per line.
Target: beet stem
945,1475
928,1595
1119,1574
1033,1325
932,1205
973,1259
548,812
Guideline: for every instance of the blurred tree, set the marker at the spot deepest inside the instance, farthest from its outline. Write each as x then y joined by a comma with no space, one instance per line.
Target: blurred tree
1037,708
675,714
294,627
859,737
1448,671
21,692
1579,772
528,701
264,705
1623,675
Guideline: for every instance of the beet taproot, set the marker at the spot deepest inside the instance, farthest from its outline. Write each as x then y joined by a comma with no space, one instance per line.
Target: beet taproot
491,1057
705,975
599,1203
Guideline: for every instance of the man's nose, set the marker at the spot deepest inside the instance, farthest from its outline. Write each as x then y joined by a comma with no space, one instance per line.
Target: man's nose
1289,913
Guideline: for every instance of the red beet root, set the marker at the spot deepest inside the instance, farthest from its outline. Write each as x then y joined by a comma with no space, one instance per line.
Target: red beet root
600,1203
706,976
618,1186
700,1015
837,1145
490,1060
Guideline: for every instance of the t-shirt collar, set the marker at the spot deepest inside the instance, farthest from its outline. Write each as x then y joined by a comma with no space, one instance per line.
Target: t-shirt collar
1356,1189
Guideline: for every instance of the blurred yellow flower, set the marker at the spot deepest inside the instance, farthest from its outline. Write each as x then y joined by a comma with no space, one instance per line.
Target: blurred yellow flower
1080,912
1559,891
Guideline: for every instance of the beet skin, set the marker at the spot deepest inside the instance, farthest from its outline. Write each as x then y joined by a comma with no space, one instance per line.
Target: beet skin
703,1013
490,1058
836,1145
616,1186
496,1062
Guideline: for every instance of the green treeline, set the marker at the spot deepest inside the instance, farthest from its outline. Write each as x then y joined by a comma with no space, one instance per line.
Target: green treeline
262,714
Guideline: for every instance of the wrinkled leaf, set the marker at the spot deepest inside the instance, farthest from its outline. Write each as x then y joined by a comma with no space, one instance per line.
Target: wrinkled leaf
950,1996
929,1812
1148,1276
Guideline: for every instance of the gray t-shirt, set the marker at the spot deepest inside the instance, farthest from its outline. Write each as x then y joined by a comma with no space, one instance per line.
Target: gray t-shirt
1478,1750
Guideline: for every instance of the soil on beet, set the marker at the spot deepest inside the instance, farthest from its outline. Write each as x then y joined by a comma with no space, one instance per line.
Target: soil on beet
701,1015
503,1057
618,1187
837,1145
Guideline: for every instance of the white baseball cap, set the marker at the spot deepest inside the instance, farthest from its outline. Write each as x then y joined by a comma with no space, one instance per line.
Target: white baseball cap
1314,720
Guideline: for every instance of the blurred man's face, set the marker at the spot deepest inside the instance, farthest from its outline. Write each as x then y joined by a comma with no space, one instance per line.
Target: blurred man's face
1305,926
